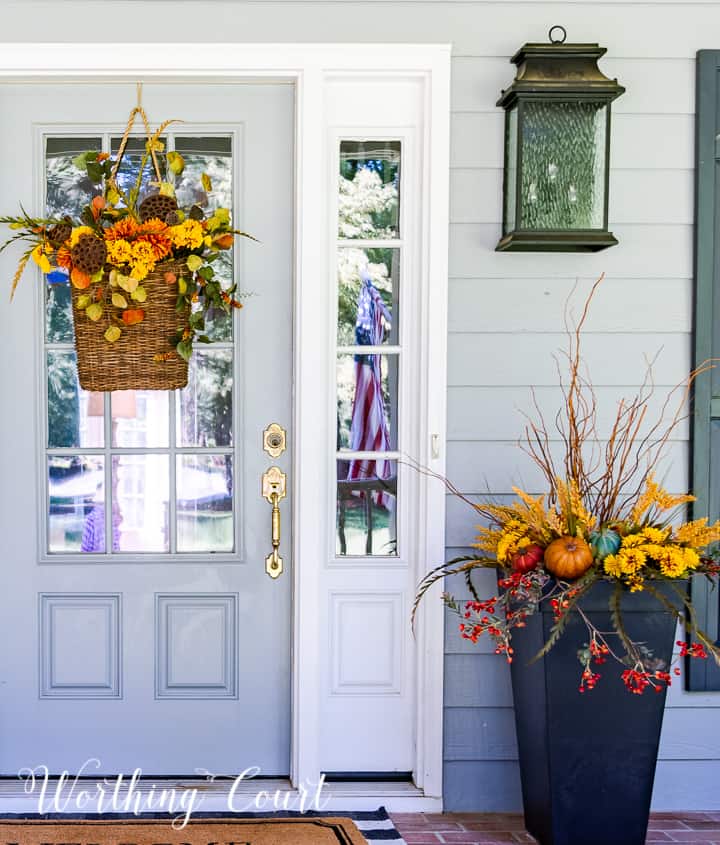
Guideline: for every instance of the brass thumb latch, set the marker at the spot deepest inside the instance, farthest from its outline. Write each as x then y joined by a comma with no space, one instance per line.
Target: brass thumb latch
274,489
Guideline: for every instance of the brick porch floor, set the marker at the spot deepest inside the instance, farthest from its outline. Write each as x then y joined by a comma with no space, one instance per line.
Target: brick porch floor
502,828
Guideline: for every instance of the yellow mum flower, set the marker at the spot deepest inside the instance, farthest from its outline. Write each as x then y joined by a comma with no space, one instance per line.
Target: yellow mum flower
142,259
612,566
78,232
505,546
625,562
672,562
654,551
118,252
632,560
189,233
692,558
510,544
632,541
654,535
636,584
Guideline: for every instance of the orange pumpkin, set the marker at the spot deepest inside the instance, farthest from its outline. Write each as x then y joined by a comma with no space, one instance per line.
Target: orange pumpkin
568,557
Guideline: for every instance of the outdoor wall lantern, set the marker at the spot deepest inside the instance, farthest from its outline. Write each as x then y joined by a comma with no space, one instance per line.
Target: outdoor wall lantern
557,149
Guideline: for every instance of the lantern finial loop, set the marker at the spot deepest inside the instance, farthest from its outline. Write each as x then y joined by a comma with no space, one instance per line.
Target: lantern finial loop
563,37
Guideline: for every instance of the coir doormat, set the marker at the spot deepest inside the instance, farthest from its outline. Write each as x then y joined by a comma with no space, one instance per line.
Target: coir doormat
324,830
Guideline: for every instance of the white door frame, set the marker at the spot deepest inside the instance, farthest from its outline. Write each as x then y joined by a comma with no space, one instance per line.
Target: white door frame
311,67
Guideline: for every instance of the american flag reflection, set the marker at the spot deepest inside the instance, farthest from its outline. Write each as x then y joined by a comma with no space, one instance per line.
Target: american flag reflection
368,427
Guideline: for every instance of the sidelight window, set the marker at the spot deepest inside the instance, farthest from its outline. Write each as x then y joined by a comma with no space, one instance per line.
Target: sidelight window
369,361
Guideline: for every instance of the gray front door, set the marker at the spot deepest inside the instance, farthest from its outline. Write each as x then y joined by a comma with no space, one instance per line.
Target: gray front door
165,646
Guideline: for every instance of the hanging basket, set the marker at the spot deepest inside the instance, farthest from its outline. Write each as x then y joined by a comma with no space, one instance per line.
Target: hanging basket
136,261
142,359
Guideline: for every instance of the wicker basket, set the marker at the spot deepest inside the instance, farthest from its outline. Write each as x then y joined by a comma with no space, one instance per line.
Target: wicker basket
129,363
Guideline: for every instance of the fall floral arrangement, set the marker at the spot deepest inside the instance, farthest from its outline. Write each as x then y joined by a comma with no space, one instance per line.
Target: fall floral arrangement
129,244
604,517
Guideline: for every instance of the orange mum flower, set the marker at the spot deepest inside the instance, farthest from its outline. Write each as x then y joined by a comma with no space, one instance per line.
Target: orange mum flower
161,245
153,226
62,257
151,232
126,228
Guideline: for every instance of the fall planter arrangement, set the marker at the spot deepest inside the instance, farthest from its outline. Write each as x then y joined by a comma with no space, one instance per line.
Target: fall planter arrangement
140,270
592,582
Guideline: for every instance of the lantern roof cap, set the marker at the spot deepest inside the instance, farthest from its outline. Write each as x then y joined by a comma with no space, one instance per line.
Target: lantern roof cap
557,49
556,70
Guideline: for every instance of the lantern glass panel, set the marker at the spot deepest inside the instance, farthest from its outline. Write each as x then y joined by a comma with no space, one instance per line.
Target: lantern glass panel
564,159
511,139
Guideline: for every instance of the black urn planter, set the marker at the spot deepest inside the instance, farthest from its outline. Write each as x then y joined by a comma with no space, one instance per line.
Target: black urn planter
587,760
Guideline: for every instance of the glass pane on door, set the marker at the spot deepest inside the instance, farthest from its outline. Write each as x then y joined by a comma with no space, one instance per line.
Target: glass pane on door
140,435
366,507
67,190
369,192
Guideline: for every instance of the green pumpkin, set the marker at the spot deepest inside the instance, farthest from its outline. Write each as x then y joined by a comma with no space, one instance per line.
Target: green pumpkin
604,542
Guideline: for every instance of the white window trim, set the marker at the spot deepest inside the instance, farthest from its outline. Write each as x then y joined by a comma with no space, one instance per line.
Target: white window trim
310,67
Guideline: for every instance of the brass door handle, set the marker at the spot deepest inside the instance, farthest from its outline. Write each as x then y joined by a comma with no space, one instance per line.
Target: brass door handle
274,489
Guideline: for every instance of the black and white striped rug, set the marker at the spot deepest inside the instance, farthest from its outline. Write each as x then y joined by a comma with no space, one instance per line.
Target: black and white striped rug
375,825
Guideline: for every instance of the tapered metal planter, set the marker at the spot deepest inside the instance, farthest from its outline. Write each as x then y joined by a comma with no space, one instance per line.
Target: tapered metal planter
587,760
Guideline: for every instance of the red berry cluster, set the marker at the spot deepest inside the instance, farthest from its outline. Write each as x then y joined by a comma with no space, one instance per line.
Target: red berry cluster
558,607
487,606
491,621
596,652
588,680
692,650
512,582
503,647
637,681
473,632
599,651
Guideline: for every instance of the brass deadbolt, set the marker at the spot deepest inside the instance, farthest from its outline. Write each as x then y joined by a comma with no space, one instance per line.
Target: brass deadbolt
274,440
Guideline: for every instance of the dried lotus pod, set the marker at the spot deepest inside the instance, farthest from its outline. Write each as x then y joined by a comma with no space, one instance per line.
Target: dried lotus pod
59,233
156,206
172,219
89,254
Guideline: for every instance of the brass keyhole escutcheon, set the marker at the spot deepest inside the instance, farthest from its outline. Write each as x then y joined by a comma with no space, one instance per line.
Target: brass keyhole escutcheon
274,440
274,483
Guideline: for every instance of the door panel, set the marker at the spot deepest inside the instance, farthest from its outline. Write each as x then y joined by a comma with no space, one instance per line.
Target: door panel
144,629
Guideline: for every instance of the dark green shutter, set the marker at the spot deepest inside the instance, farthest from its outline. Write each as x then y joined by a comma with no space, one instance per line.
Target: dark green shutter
704,674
